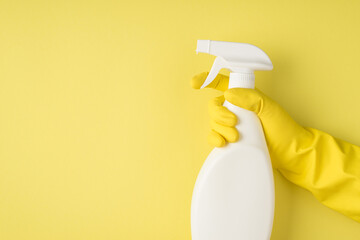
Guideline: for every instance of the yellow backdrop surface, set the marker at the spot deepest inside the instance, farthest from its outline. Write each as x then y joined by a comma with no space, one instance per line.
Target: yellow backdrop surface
101,136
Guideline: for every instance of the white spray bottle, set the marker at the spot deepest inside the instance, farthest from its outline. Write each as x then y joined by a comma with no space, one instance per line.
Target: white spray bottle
233,197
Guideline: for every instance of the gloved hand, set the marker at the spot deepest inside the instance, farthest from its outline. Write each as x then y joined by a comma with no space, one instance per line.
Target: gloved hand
282,133
326,166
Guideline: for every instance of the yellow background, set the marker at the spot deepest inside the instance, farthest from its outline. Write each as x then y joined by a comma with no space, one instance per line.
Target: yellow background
101,136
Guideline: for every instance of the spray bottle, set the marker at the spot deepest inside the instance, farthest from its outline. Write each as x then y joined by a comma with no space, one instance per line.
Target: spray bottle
233,197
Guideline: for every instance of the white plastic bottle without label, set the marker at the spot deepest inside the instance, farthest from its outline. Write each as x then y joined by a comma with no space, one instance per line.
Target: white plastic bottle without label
233,197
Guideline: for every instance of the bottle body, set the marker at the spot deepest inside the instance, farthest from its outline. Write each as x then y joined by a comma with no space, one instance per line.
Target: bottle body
233,196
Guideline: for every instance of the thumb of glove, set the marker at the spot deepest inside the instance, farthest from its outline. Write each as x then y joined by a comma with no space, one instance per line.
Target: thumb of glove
279,128
250,99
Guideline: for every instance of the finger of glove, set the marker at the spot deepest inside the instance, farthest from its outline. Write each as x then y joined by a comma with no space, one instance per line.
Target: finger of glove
230,134
221,114
215,139
250,99
221,82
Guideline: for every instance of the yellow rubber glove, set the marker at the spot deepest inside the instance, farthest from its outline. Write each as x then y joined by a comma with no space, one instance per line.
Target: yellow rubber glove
326,166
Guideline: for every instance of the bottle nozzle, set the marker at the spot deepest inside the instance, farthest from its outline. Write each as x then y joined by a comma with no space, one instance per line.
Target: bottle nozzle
203,46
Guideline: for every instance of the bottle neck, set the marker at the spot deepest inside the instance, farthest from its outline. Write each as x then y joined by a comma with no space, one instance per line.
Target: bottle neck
249,125
244,79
